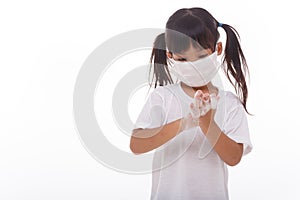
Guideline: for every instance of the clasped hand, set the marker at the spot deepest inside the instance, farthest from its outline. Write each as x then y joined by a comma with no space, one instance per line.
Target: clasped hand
202,111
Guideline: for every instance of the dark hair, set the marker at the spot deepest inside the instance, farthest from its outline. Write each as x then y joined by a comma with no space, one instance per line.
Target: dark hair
159,58
200,29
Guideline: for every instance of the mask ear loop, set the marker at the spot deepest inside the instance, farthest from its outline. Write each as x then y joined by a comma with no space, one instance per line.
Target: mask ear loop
216,51
216,48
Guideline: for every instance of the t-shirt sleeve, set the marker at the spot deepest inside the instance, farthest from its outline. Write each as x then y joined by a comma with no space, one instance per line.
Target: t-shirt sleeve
152,114
236,127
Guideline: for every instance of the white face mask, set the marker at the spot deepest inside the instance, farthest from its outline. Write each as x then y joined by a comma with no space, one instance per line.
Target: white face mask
196,73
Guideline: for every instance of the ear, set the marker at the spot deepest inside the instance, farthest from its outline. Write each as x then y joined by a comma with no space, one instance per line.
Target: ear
219,48
169,54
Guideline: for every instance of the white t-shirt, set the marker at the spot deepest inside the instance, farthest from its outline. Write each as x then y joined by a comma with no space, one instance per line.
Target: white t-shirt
187,167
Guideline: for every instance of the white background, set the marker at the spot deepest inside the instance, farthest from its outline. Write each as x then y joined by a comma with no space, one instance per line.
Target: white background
42,47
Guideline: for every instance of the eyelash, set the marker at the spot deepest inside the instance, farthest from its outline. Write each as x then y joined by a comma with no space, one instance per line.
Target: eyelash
183,59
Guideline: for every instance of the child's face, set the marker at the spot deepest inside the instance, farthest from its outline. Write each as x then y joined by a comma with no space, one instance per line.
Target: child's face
193,54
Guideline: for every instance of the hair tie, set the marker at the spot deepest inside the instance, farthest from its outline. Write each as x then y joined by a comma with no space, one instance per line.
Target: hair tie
220,24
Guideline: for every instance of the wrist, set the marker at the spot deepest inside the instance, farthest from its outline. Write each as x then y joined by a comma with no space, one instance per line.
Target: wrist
206,125
181,125
188,122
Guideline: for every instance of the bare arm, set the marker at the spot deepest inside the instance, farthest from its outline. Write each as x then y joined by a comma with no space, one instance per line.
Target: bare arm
144,140
228,150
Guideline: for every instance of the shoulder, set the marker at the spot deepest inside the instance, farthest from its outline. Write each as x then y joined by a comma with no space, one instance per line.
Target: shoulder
231,101
233,98
165,91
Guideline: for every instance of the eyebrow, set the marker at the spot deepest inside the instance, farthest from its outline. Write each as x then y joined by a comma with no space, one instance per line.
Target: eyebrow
183,57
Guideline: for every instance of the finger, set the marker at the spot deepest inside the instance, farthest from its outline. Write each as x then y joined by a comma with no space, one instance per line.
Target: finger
203,112
214,95
198,102
214,101
206,98
194,110
205,109
198,94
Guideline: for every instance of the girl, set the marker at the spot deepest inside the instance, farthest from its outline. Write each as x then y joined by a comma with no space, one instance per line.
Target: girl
195,128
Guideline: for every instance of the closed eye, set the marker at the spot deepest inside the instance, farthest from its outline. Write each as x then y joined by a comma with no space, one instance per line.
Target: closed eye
183,59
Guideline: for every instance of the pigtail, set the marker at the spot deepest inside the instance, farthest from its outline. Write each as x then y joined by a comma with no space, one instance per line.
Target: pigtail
158,61
235,63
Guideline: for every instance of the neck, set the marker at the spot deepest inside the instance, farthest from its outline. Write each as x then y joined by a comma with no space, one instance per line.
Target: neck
200,88
206,88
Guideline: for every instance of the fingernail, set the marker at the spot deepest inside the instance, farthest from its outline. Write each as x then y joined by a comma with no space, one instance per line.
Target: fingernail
198,94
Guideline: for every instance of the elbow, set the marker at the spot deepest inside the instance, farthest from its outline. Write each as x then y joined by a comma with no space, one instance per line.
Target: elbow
139,144
134,147
138,148
233,162
236,159
136,151
133,144
136,144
